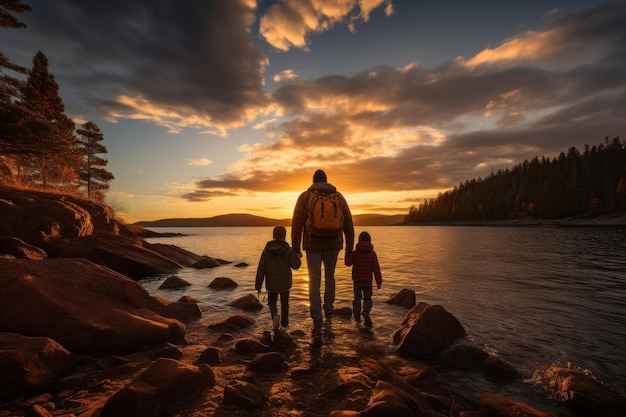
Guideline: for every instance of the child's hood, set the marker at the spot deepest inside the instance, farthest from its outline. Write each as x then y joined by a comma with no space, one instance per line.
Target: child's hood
277,247
364,247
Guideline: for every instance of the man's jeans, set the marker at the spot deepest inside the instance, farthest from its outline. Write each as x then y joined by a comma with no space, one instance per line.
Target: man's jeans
314,260
362,290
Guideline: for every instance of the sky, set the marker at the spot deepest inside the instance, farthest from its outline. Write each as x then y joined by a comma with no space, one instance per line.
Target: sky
229,106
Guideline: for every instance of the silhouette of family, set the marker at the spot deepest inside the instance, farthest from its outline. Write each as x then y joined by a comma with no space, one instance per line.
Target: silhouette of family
321,219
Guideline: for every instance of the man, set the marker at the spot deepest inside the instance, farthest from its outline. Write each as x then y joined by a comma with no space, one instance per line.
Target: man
321,247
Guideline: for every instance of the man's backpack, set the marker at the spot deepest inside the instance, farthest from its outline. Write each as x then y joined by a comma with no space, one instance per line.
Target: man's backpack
325,214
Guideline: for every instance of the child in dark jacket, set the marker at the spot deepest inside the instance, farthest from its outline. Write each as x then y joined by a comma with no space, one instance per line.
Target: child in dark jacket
277,260
364,264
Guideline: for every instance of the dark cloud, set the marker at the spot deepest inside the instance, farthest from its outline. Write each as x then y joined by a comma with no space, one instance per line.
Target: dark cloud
206,195
193,59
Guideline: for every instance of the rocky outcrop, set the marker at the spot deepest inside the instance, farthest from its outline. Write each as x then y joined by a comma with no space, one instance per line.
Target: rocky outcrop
81,305
31,364
586,396
36,216
37,224
426,330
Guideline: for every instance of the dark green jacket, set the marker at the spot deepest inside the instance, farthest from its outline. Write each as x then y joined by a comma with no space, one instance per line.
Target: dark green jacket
277,260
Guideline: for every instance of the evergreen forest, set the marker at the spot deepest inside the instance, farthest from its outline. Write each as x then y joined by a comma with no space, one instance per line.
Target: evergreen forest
39,144
583,184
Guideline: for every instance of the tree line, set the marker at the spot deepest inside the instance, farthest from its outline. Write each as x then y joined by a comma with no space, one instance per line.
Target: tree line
39,144
573,184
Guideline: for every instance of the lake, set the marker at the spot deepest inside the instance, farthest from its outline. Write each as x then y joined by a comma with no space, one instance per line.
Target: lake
535,296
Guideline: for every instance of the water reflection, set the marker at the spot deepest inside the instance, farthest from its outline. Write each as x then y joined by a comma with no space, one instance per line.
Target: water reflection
535,296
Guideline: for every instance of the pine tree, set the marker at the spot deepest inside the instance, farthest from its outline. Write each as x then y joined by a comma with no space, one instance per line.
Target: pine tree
50,144
10,114
92,175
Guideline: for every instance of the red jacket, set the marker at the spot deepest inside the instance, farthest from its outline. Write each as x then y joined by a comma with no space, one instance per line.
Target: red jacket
364,263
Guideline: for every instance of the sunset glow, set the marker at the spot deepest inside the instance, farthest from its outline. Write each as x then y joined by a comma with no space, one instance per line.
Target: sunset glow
236,104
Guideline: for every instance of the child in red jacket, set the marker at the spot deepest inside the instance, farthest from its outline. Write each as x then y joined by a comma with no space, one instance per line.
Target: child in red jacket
364,264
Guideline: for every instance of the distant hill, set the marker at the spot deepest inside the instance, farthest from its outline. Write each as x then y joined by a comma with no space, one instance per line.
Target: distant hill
249,220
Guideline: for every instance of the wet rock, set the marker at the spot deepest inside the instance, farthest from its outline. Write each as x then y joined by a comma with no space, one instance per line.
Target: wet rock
210,356
206,262
344,312
585,396
498,370
37,411
180,310
61,304
345,382
161,389
20,249
174,282
344,413
404,298
463,356
243,394
247,302
250,347
389,400
31,364
426,330
495,405
222,283
233,323
267,363
188,299
242,265
167,351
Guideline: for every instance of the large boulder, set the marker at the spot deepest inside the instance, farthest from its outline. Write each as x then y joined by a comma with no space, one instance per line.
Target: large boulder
85,307
31,364
160,390
35,216
126,256
586,396
426,330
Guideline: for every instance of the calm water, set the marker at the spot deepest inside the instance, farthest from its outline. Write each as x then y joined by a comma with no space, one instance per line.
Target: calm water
537,297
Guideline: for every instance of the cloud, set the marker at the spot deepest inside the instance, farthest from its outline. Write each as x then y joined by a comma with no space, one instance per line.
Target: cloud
288,23
179,67
201,162
413,128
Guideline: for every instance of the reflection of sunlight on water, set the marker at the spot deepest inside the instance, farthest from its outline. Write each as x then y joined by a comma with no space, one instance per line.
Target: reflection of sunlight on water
523,293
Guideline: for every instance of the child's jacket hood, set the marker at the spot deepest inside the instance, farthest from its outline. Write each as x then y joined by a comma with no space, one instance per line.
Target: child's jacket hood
277,247
364,247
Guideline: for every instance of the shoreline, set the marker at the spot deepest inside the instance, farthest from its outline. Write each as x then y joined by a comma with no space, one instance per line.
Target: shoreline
608,221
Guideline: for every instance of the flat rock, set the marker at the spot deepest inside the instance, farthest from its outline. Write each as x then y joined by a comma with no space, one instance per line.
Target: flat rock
55,298
233,323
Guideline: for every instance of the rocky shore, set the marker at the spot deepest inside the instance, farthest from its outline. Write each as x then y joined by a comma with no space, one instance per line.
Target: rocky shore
80,337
